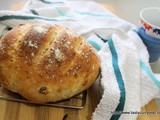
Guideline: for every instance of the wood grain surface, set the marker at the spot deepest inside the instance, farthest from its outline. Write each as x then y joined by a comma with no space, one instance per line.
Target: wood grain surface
150,107
19,111
23,111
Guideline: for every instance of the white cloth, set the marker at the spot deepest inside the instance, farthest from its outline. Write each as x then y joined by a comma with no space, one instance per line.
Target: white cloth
127,79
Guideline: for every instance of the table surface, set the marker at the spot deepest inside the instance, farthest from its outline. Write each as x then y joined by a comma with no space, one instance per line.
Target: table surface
19,111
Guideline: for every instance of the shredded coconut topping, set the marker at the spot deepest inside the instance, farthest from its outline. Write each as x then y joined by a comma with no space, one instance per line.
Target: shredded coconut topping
68,45
40,29
32,54
59,55
31,44
86,56
93,67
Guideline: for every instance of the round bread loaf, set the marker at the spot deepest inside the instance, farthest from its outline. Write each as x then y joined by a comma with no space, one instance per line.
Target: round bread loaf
46,63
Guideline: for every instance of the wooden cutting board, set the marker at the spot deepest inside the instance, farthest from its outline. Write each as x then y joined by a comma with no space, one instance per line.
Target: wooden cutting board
23,111
19,111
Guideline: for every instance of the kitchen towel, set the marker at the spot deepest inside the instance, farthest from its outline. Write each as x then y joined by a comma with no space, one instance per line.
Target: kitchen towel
127,81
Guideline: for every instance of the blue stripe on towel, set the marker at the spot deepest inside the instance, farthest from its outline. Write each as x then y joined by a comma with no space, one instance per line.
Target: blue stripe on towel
63,14
94,14
9,17
94,44
145,68
120,106
104,40
59,12
47,2
34,12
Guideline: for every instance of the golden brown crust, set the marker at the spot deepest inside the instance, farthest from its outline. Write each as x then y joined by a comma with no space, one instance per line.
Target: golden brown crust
46,63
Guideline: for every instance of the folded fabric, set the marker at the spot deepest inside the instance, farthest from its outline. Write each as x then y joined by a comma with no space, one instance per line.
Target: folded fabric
128,82
127,79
